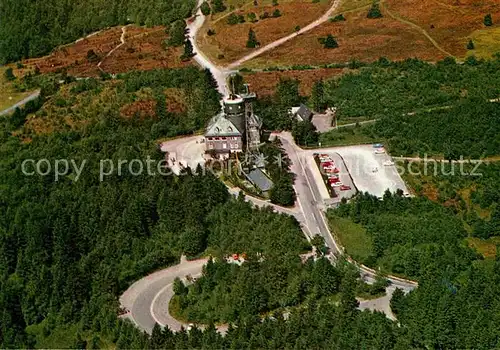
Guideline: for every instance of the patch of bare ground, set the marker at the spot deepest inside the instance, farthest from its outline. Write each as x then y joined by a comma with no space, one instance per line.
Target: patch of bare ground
358,38
264,83
144,49
449,22
230,40
76,58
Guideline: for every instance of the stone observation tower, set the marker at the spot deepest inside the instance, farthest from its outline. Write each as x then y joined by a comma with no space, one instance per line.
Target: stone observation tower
236,128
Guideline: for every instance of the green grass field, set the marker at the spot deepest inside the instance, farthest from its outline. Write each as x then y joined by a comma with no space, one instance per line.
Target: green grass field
486,42
346,136
8,95
353,237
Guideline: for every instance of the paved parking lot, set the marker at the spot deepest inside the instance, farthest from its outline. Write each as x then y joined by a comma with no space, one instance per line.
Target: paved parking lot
366,168
344,176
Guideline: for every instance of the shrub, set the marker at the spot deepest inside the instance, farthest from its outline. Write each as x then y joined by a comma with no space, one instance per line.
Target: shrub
338,18
252,17
235,19
252,40
218,6
9,74
330,42
276,13
92,56
374,11
205,8
488,21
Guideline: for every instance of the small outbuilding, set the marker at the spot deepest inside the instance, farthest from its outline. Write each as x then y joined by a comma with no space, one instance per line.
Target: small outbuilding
301,113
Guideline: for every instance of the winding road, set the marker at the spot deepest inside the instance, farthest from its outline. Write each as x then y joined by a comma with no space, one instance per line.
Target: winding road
146,301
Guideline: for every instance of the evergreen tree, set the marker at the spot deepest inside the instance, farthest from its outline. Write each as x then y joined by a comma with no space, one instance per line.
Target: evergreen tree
470,45
330,42
252,40
9,74
188,50
205,8
318,96
488,20
374,11
218,6
177,33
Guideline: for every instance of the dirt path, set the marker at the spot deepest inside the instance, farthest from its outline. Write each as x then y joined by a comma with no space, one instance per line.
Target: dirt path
415,26
219,73
283,40
122,42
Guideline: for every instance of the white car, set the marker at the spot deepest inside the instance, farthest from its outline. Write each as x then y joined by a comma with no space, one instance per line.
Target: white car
337,184
388,163
379,151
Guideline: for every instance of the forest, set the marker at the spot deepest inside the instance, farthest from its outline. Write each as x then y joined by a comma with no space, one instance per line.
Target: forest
34,28
69,248
473,195
443,109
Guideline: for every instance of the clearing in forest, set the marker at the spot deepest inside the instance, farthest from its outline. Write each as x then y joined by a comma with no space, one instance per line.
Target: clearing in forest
228,43
358,38
144,49
425,29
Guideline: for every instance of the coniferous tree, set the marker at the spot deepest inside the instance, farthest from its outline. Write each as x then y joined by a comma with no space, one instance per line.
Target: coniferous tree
205,8
488,20
318,96
470,45
374,11
252,40
330,42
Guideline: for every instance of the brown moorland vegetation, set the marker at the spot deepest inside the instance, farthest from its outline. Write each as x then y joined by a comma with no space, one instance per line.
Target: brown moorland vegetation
144,49
230,40
73,57
449,22
358,38
264,83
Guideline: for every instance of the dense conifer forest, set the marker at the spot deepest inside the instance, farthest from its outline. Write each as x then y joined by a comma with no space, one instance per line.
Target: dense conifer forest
70,246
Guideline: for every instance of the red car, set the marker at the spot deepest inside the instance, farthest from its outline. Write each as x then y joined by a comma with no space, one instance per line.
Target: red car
333,180
345,188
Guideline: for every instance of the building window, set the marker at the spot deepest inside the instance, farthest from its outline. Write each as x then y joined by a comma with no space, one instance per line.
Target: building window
210,145
224,145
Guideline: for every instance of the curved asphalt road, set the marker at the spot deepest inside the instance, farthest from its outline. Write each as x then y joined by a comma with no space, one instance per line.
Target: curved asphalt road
138,299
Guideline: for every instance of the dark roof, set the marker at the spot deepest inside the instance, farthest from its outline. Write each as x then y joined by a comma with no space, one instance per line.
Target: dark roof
259,179
304,113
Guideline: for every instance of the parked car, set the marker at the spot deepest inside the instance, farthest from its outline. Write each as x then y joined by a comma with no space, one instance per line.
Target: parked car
337,184
334,180
379,151
345,188
388,163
